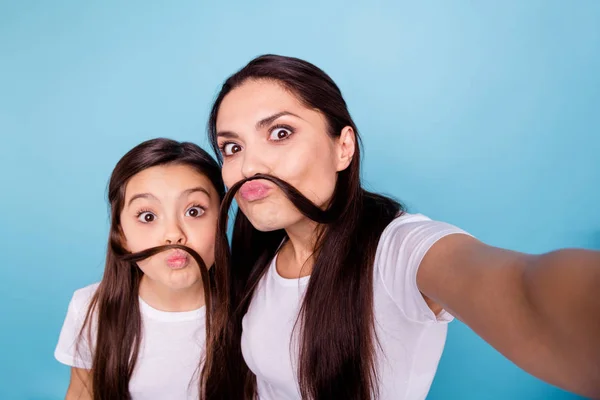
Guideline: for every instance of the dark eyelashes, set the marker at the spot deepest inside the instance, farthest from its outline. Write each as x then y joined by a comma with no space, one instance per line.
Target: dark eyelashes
291,130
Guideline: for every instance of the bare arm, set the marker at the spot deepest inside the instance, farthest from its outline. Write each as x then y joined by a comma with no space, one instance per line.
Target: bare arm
540,311
80,386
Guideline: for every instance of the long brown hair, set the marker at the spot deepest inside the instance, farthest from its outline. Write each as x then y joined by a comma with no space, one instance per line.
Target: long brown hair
337,346
115,306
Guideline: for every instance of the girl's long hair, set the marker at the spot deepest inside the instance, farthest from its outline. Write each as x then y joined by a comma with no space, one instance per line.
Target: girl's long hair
114,307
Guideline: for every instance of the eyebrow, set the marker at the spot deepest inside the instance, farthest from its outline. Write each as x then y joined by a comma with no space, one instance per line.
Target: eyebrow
186,192
149,196
195,189
269,120
259,125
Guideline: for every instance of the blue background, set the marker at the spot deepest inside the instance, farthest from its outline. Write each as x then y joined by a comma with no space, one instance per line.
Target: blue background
482,114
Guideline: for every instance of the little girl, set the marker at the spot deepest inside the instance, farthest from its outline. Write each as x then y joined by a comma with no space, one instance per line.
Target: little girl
140,332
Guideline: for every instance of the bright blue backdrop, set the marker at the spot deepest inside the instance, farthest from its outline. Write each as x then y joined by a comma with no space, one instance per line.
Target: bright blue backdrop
483,114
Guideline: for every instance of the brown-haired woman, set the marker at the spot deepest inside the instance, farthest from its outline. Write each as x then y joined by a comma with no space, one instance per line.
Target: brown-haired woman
338,293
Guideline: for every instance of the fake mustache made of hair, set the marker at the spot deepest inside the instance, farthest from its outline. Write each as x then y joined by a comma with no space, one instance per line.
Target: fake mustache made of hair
142,255
223,258
304,205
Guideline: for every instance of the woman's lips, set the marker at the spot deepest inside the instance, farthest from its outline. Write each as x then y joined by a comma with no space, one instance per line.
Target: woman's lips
254,190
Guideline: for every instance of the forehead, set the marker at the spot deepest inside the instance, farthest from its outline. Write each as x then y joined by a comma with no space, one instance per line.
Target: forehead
165,179
255,100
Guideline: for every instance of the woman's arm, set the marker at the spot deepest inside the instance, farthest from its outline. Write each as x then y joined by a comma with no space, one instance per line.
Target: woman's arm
80,386
540,311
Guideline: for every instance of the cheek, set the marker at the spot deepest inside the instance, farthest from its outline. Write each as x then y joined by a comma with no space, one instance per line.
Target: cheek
146,265
202,239
230,173
136,238
314,174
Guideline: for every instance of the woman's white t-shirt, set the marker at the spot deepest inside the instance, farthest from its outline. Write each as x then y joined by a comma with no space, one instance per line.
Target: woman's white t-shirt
170,350
411,336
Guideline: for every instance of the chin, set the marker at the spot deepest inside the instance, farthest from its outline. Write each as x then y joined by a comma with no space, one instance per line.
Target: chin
265,227
272,220
182,283
263,217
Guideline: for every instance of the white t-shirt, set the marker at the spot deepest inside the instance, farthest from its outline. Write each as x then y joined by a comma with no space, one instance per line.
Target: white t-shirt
170,350
411,336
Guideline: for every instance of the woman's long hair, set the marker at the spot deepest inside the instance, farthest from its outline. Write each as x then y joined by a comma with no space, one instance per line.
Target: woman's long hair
114,308
337,342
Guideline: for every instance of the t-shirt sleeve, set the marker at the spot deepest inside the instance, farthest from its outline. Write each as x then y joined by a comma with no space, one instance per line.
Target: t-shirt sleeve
72,348
402,247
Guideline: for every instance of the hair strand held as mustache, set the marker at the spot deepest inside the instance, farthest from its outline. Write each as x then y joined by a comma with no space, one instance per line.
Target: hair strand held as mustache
206,282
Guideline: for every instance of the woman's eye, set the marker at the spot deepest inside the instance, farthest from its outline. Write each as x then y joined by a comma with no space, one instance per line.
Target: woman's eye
231,148
280,134
194,212
146,217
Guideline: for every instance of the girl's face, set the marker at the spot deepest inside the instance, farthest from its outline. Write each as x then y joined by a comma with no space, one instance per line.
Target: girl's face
264,128
171,204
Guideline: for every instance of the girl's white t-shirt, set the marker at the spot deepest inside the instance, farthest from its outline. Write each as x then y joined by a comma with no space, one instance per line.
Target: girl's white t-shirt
170,350
410,335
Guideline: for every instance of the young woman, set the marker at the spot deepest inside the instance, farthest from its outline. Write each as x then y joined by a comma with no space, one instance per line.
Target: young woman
338,293
141,331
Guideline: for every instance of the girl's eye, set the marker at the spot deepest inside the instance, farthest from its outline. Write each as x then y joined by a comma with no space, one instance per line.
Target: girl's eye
146,217
194,212
231,148
280,133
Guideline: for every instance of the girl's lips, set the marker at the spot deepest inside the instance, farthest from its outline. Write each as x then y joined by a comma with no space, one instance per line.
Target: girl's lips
178,259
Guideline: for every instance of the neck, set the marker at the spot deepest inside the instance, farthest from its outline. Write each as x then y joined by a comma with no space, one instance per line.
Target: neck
164,298
296,256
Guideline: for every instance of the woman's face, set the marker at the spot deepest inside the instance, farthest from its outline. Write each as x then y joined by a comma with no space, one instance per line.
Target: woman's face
262,128
171,204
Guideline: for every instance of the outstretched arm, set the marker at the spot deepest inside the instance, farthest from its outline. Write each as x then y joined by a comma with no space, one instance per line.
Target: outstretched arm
540,311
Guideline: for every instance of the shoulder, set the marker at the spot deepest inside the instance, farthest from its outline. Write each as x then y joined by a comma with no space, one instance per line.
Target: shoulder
82,297
400,252
414,232
405,241
73,347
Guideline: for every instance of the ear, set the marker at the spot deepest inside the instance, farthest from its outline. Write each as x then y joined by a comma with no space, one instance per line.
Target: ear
346,146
